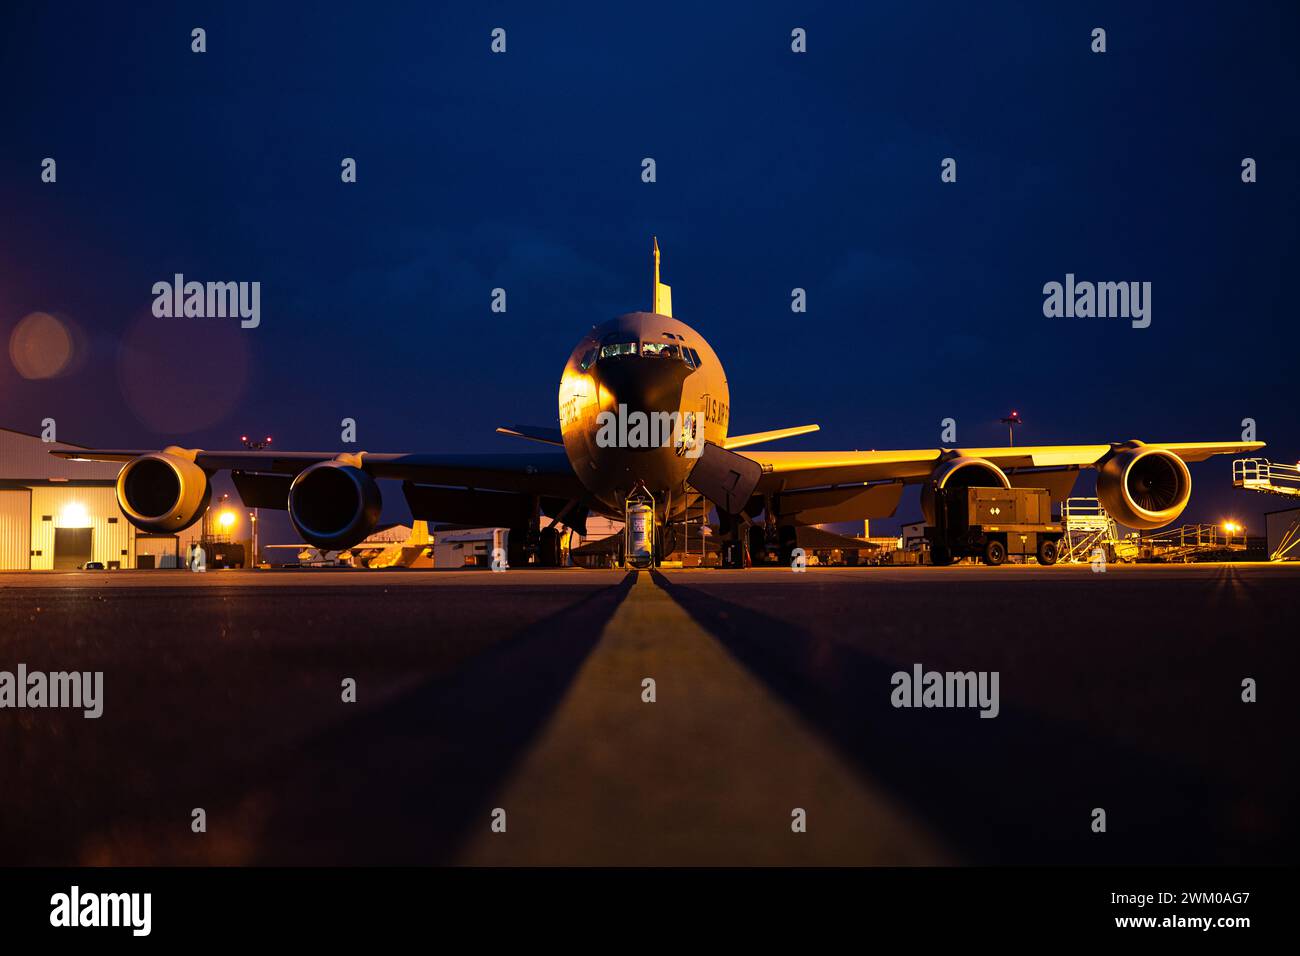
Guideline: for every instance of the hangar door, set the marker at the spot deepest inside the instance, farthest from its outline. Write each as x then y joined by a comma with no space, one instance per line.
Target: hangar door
72,547
15,530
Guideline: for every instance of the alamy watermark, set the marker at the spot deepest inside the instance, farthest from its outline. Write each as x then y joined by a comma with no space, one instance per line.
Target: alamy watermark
209,300
637,429
75,908
922,688
1102,300
75,690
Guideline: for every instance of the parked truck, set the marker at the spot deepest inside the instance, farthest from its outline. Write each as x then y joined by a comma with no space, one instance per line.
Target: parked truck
991,523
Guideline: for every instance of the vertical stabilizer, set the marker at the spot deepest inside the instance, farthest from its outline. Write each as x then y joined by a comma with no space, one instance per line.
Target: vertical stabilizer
663,295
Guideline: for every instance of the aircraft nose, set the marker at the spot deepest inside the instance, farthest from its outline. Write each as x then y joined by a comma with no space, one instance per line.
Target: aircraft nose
645,384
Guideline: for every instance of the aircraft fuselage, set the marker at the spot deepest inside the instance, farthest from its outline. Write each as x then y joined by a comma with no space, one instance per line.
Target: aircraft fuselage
642,370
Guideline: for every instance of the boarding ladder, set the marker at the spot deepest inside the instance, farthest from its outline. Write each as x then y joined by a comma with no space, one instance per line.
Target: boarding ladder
1273,478
1185,542
1087,527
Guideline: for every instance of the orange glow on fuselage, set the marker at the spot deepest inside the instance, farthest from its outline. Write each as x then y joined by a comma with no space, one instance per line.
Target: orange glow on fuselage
660,382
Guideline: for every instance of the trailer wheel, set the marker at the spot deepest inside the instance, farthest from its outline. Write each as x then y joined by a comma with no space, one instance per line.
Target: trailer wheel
995,552
1047,552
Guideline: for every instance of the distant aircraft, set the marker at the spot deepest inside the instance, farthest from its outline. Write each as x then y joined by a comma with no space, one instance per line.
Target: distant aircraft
639,367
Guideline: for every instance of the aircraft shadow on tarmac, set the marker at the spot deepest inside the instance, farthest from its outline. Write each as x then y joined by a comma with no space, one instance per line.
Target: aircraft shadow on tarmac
401,784
1018,788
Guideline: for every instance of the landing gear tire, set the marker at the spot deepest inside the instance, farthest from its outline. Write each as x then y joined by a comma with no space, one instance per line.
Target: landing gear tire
757,546
517,547
995,552
940,556
548,552
733,554
788,538
1047,553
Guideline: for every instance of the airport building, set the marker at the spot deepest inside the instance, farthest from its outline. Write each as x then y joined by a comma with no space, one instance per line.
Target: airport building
58,514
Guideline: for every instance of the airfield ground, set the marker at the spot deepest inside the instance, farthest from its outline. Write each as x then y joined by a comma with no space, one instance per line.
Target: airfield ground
525,691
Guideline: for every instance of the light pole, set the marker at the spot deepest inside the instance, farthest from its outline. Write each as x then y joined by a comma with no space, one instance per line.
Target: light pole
253,445
1011,421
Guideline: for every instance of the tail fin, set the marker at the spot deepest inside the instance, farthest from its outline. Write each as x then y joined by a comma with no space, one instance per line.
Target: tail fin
758,438
663,295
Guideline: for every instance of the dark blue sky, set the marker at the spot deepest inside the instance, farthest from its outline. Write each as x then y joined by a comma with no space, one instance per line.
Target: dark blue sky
775,170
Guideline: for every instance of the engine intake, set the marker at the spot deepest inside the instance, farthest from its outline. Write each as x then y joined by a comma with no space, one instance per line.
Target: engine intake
164,491
960,473
334,505
1144,487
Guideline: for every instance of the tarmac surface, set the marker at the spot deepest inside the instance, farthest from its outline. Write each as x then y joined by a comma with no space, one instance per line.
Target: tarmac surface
525,692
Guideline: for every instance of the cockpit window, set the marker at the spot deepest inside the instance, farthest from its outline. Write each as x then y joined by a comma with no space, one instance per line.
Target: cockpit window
615,349
660,350
588,359
686,355
695,355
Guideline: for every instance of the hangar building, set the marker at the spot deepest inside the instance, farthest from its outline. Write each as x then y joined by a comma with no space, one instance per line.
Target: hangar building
57,514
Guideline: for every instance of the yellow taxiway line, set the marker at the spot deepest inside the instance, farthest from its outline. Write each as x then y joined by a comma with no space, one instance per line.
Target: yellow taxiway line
710,773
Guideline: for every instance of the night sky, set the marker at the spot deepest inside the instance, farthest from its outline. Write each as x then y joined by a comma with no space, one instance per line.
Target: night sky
775,171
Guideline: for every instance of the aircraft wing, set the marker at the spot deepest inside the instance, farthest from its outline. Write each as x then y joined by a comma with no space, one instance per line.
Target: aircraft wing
540,473
795,470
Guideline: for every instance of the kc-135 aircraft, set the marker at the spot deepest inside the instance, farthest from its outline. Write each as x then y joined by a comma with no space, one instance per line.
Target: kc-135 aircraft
651,364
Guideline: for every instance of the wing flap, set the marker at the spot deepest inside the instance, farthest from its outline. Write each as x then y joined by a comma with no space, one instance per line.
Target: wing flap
464,506
262,491
853,503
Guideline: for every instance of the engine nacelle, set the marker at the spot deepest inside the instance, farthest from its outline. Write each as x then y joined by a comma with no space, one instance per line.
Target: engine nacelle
164,491
1143,487
333,505
960,473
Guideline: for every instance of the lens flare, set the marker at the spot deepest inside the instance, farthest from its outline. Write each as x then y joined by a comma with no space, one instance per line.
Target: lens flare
41,346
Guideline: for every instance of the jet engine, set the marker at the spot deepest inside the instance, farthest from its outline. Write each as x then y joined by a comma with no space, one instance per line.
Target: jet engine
1143,487
334,504
960,473
164,491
